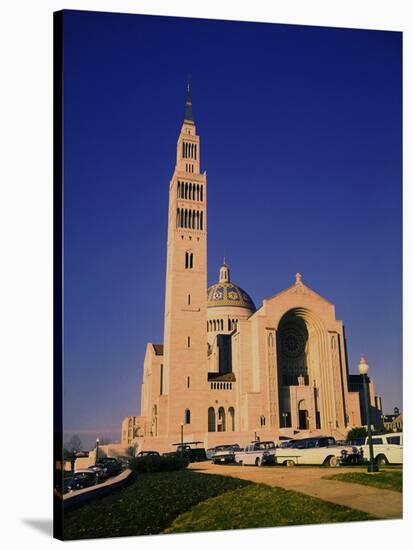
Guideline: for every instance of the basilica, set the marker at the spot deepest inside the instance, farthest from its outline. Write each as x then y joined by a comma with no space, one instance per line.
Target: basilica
227,370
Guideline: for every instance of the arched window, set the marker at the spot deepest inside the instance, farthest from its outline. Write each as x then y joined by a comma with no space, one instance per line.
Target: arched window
201,193
188,383
221,420
262,420
187,416
189,264
222,324
178,212
211,419
229,324
215,326
201,220
231,419
189,219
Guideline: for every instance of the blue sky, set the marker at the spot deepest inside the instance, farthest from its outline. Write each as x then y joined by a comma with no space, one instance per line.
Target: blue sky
301,139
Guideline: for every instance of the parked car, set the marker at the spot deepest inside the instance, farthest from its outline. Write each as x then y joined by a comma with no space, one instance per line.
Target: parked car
108,467
257,453
312,450
225,453
125,461
196,454
82,479
148,453
387,449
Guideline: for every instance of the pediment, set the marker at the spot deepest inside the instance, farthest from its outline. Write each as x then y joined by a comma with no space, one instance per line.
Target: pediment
298,289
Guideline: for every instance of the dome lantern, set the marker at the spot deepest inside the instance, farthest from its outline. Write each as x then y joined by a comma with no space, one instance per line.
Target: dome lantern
224,273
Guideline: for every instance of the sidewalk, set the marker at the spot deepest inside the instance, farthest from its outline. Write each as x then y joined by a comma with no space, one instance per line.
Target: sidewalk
309,480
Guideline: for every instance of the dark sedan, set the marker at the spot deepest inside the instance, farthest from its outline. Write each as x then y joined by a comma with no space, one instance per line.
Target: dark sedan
82,479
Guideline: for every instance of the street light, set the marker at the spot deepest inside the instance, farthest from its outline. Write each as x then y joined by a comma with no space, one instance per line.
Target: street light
363,369
182,438
97,449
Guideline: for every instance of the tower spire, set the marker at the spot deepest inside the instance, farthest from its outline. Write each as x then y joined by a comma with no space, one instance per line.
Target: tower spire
189,117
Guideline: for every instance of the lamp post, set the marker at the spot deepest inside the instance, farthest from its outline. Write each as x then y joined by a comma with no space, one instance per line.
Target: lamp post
363,368
182,438
97,449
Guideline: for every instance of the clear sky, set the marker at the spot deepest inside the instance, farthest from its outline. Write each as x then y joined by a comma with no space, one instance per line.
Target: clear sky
301,139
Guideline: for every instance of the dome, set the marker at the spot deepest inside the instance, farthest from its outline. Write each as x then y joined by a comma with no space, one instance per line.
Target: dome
226,293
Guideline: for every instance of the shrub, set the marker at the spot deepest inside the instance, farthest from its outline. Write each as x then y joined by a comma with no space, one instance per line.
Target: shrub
356,433
148,464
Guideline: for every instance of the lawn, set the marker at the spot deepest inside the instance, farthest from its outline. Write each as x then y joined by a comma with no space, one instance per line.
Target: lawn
392,480
259,505
147,506
189,501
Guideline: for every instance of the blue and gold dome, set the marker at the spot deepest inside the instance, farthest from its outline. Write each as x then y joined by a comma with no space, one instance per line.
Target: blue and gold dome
226,293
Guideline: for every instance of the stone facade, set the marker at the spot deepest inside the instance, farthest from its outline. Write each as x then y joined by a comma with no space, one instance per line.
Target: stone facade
228,372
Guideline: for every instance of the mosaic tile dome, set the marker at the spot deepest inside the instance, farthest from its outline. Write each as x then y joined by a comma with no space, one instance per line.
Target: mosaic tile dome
226,293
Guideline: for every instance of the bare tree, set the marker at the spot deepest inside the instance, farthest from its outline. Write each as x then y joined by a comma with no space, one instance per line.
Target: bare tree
75,444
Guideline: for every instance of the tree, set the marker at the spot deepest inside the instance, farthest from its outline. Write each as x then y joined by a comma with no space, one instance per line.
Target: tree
356,433
75,444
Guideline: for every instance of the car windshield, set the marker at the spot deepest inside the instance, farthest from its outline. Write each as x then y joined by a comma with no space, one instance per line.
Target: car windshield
266,445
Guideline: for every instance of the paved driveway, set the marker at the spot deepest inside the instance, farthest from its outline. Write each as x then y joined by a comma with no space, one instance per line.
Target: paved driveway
309,480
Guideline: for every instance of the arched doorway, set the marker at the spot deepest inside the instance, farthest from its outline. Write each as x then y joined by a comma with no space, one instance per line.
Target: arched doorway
211,419
221,420
301,360
303,418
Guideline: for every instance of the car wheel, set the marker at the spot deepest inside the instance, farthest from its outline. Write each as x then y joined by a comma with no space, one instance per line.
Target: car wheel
289,463
258,461
331,461
381,460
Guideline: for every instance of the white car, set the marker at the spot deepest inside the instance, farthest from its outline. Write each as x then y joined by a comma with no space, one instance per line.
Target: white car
387,448
225,453
321,451
257,453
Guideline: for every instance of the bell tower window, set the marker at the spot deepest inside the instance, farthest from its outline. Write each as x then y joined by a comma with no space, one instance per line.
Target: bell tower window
189,261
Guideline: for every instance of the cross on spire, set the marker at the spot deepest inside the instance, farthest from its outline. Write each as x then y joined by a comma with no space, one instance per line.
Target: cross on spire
189,117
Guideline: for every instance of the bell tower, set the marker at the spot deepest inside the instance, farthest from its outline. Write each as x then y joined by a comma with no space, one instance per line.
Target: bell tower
185,349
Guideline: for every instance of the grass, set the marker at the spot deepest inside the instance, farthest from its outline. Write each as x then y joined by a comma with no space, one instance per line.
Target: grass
392,480
147,506
259,505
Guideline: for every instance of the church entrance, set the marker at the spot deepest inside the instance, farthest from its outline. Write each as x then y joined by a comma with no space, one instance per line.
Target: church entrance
303,423
303,419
